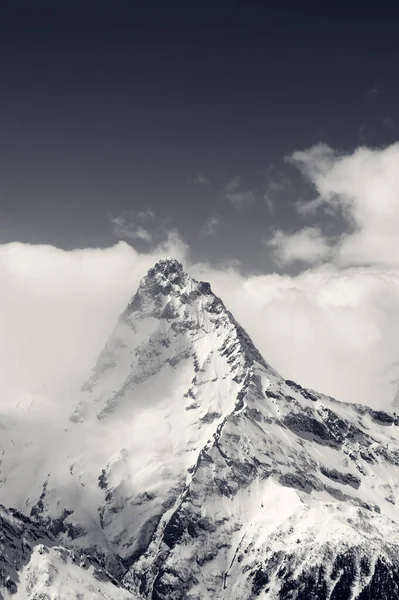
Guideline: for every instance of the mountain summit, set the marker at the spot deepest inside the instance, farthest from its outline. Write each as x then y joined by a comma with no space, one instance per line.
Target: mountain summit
190,469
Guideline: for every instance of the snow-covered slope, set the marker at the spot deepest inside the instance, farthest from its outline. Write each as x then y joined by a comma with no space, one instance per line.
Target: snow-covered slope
190,469
32,566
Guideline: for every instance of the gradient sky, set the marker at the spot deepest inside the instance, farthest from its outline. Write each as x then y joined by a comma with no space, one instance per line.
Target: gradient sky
125,120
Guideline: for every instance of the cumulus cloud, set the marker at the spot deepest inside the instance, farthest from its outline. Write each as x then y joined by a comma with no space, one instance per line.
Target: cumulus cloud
362,188
307,245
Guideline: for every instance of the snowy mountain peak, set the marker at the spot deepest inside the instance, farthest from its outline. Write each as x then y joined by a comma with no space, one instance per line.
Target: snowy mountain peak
172,320
168,266
165,283
166,272
190,469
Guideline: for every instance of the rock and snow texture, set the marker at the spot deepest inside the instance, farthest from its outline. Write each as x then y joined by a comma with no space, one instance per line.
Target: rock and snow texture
33,566
190,469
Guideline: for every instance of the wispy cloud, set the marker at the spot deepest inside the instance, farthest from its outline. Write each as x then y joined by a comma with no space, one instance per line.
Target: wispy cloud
211,226
362,134
200,180
269,203
238,197
373,93
232,185
146,213
278,184
134,225
241,200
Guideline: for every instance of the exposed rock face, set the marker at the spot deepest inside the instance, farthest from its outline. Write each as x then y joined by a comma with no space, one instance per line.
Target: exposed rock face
190,469
18,535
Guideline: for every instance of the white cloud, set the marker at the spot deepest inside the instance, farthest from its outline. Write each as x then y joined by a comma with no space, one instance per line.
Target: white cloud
143,234
308,245
363,187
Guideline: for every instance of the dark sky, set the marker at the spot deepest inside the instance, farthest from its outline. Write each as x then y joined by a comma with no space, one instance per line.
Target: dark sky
109,109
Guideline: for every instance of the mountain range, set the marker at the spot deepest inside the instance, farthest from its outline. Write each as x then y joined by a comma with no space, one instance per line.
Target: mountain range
190,469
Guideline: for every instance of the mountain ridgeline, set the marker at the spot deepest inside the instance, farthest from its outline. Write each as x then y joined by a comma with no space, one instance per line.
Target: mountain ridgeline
190,470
